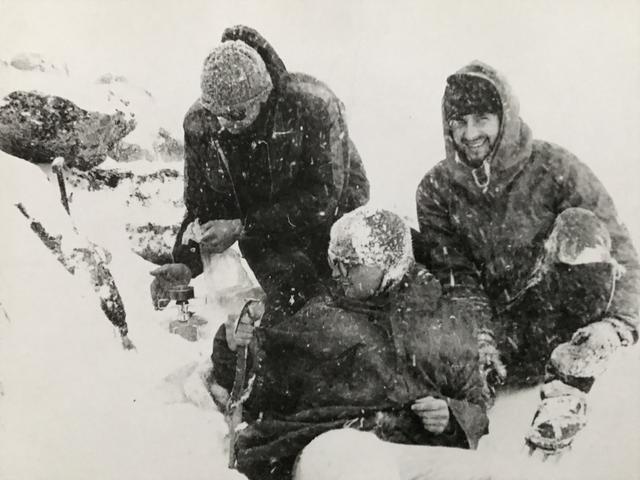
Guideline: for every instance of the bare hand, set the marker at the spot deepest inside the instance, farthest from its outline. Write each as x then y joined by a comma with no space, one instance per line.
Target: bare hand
218,235
434,413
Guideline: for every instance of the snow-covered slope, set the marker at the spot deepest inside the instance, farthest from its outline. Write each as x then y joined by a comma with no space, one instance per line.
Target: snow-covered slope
74,403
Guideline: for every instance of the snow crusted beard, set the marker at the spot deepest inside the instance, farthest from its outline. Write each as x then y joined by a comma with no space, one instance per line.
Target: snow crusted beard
374,237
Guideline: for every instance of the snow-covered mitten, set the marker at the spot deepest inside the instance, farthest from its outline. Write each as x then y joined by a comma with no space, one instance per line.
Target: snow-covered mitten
586,355
574,366
558,419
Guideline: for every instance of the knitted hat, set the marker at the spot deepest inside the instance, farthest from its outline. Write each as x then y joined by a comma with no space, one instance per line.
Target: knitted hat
233,74
468,94
373,237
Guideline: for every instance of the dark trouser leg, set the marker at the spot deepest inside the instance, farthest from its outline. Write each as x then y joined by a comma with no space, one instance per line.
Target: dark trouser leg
566,297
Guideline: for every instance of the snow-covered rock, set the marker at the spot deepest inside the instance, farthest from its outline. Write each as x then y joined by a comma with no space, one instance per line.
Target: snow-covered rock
39,128
153,138
150,140
153,242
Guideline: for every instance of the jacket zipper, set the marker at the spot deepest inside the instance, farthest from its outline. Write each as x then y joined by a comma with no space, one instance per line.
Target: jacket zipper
223,158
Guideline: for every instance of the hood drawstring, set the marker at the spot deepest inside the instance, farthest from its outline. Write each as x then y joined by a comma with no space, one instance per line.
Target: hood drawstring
485,170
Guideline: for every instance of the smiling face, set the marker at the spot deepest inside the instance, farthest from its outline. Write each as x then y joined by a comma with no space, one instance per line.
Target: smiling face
474,135
357,281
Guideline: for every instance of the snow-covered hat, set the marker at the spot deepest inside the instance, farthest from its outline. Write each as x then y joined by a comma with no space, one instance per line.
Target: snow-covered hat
374,237
232,75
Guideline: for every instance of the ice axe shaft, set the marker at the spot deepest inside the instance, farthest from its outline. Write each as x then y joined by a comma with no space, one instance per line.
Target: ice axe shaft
250,313
56,166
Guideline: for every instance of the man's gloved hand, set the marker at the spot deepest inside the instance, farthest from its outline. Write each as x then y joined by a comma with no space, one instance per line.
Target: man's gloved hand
560,416
493,370
218,235
167,276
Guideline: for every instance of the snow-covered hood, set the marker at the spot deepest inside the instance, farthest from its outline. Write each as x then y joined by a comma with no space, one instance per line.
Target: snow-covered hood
375,237
514,142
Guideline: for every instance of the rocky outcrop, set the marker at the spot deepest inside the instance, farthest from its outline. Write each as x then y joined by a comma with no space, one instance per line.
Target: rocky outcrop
153,242
168,148
150,205
149,189
163,147
39,128
96,179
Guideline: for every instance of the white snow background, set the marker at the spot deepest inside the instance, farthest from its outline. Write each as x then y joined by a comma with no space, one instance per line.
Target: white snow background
75,406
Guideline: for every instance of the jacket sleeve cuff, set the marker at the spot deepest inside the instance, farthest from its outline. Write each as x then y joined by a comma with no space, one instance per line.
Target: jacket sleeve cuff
190,256
471,418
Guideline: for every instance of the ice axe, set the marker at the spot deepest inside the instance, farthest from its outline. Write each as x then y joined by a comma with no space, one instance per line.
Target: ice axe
57,166
250,314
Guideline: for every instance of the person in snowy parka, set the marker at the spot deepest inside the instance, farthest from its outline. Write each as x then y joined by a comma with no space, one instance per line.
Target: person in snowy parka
526,231
269,163
383,354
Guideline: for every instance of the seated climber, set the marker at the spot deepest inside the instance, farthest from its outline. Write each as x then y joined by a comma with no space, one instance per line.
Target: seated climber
384,354
525,231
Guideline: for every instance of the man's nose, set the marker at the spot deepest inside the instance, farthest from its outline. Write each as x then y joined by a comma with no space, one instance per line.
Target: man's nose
471,131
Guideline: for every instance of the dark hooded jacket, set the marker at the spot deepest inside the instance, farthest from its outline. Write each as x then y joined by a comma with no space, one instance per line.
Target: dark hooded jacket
361,364
485,227
290,174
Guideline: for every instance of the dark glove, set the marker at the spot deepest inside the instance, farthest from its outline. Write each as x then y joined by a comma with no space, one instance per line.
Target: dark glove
218,235
166,277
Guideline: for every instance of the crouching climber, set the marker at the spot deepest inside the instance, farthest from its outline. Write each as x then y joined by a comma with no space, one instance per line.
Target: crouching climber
382,354
269,163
